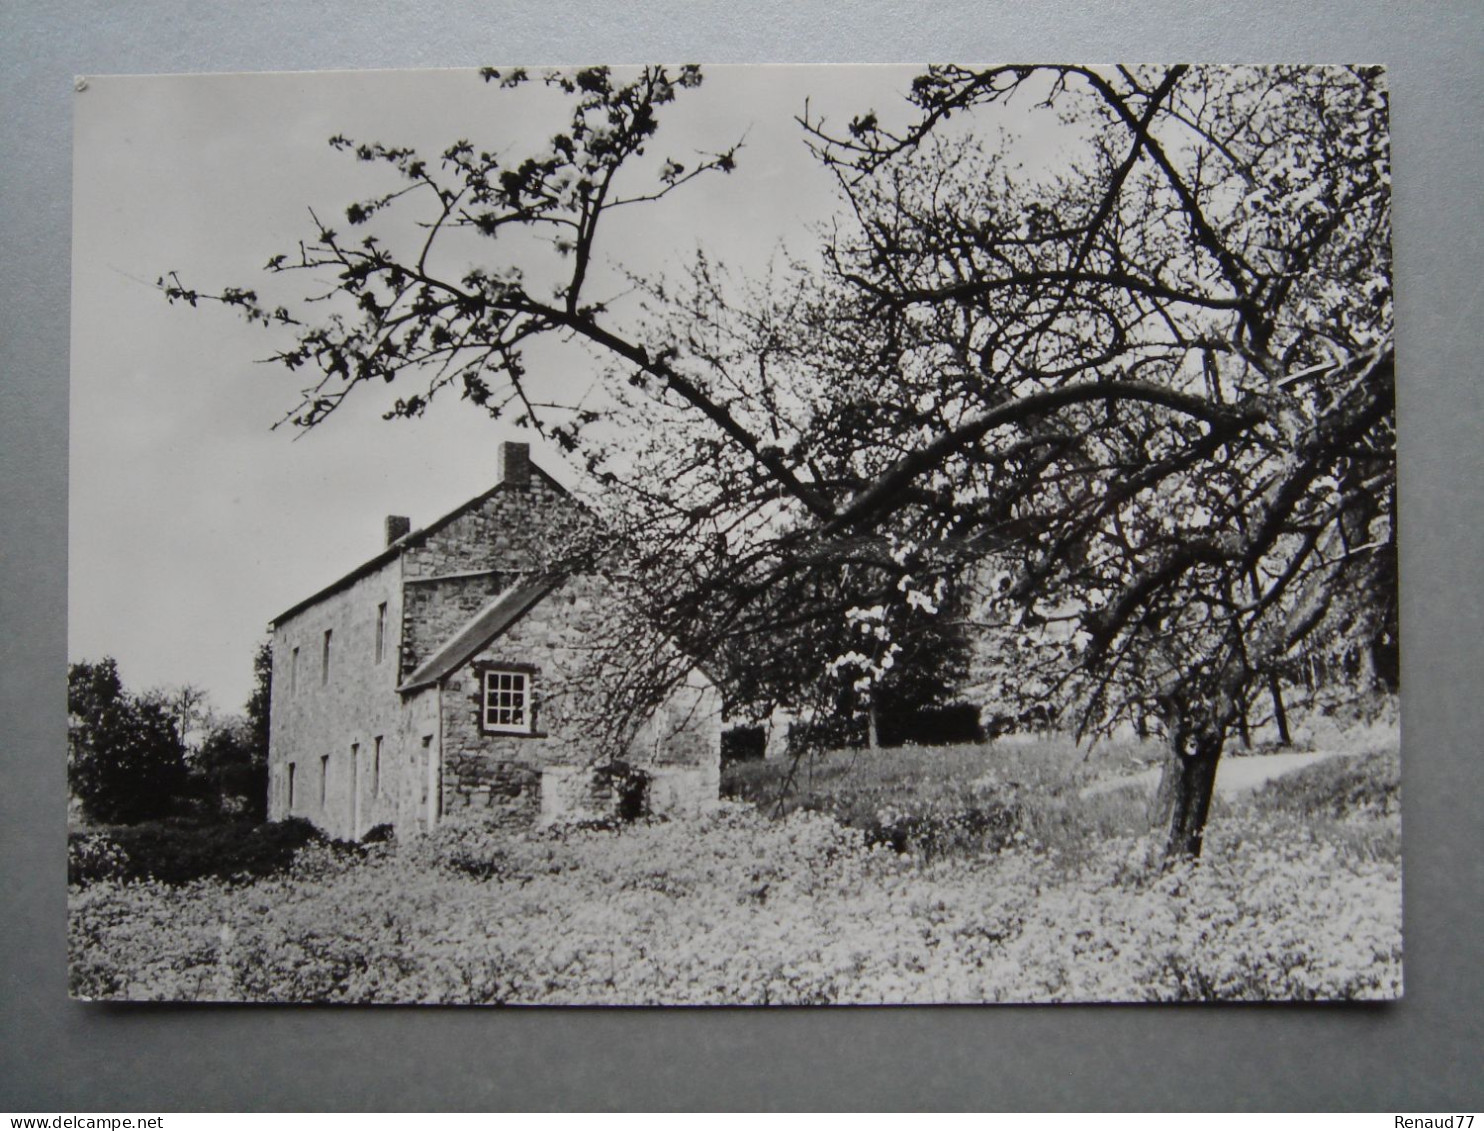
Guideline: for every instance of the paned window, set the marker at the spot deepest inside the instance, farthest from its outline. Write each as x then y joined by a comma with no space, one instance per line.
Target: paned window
506,702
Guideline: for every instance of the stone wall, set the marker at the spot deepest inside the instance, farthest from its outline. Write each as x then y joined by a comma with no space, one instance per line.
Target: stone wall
419,800
553,638
514,530
511,528
559,641
328,726
505,794
436,608
686,730
680,748
432,758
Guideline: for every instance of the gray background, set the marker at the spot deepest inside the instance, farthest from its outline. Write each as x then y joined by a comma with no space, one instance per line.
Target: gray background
1422,1054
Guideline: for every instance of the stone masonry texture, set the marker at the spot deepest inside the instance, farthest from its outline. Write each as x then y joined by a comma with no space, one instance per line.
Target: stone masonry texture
362,753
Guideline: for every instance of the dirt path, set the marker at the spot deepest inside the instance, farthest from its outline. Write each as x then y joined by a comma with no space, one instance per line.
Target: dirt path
1233,775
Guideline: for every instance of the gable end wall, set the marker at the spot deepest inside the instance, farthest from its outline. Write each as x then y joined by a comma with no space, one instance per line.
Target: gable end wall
509,779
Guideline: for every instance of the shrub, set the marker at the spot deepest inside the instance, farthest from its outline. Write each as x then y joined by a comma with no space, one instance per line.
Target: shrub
466,847
957,797
624,787
179,852
321,859
95,856
974,829
233,766
932,726
1033,719
743,744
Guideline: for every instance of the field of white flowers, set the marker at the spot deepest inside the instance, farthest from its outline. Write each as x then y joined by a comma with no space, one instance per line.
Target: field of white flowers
1298,897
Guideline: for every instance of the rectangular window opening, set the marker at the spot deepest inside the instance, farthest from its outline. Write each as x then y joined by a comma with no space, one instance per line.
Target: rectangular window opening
294,671
324,776
355,790
324,659
376,767
291,787
380,631
506,702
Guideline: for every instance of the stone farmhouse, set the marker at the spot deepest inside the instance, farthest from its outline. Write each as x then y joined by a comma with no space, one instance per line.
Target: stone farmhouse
451,675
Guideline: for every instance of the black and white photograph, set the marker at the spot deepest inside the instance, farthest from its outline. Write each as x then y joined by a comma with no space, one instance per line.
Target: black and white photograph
734,535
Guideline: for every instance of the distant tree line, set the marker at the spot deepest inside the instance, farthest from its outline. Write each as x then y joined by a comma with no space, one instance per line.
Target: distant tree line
164,752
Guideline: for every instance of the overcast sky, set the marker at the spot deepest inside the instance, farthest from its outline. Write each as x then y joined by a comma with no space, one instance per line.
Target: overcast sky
192,524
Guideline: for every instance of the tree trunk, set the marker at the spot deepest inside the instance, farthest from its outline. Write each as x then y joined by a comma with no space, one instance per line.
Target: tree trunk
1183,800
1280,714
873,740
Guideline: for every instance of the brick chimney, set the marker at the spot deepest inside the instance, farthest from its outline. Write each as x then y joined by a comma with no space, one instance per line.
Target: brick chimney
515,464
397,525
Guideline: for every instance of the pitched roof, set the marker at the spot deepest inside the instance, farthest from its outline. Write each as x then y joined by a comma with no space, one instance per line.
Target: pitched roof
487,624
406,542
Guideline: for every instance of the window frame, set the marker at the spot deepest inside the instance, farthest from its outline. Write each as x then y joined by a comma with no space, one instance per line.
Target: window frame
488,674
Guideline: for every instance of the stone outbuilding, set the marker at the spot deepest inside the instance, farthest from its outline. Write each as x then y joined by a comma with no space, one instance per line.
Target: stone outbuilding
458,673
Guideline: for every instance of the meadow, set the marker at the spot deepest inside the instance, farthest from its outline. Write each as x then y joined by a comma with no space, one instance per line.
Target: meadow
953,874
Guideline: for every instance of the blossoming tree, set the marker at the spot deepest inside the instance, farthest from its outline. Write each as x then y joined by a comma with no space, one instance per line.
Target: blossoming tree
1130,413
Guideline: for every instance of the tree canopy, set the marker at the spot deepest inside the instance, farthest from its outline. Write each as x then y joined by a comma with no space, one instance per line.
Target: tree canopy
125,757
1128,415
1167,370
233,759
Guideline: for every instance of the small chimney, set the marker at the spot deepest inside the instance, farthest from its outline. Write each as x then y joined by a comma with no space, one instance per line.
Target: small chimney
515,464
397,525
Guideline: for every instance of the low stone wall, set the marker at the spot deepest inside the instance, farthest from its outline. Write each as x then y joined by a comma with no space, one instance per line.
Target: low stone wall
684,791
565,793
577,793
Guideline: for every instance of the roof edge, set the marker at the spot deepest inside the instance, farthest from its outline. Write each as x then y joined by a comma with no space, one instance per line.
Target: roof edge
407,541
483,628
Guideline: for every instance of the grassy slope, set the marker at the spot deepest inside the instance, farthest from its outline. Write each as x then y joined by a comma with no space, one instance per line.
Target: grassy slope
1028,788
